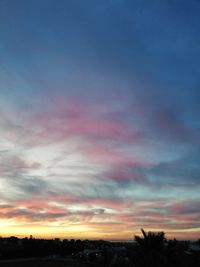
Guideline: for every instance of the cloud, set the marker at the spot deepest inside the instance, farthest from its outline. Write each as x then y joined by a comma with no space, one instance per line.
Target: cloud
185,208
29,216
181,172
85,120
16,178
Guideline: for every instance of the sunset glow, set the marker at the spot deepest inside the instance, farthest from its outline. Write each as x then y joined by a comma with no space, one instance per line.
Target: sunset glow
99,118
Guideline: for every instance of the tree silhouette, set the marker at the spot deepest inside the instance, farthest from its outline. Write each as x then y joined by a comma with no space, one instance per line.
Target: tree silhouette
151,240
151,249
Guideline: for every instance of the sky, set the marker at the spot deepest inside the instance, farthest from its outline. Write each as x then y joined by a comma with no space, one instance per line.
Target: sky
99,118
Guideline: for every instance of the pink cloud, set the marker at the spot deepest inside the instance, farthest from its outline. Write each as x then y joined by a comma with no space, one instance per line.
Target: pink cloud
126,173
16,162
39,205
185,207
90,202
110,156
118,165
76,118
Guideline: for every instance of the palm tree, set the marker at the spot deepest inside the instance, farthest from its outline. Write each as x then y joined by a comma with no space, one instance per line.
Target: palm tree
151,249
153,240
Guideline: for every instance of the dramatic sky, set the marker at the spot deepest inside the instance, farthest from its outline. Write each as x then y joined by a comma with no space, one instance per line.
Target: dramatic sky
99,118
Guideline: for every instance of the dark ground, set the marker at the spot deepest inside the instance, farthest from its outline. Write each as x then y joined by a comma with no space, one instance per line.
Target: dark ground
41,263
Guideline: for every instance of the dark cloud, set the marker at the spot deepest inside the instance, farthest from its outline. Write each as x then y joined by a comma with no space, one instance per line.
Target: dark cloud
184,171
31,216
16,178
5,206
